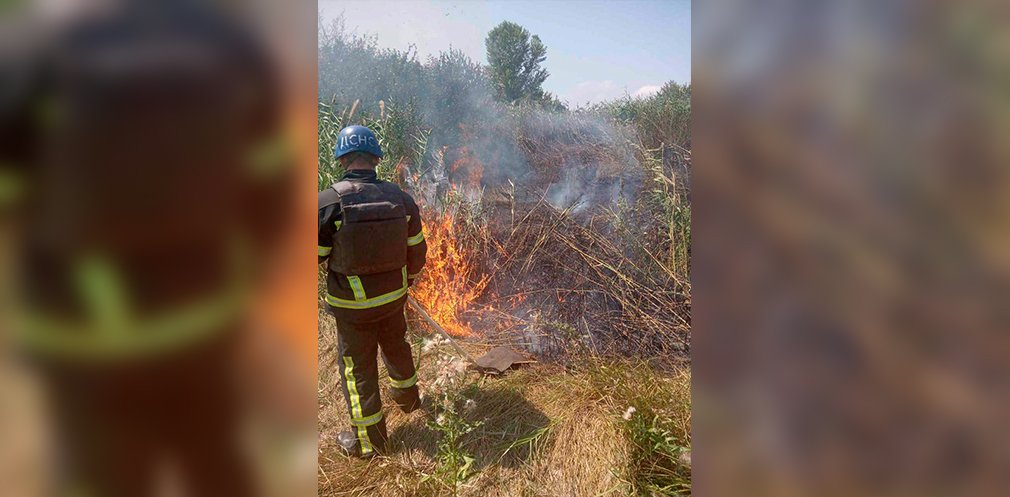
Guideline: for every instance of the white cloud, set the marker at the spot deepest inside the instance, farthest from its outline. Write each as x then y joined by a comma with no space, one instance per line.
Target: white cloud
593,92
647,91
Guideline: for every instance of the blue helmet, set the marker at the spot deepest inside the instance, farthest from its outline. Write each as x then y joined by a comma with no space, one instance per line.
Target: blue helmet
357,138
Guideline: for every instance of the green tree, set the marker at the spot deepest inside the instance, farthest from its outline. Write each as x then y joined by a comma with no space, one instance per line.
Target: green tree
514,57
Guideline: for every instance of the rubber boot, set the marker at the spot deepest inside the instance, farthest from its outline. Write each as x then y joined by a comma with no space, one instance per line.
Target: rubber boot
408,400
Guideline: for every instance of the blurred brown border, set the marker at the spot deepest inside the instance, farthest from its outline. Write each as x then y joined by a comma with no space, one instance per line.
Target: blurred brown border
850,248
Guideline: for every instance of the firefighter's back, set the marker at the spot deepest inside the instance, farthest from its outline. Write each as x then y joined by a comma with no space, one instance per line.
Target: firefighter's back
370,251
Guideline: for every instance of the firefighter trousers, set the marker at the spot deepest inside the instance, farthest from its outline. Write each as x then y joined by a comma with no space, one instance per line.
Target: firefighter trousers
359,373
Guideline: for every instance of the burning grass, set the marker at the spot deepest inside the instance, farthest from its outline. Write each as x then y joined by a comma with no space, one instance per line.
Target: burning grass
450,285
558,233
581,288
517,267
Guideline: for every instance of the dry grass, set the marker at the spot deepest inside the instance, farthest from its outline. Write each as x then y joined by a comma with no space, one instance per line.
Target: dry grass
545,430
586,277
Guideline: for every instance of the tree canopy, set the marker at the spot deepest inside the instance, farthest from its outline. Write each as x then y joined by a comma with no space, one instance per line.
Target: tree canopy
514,57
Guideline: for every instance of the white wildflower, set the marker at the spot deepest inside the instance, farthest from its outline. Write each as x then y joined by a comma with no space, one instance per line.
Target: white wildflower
628,413
440,420
469,405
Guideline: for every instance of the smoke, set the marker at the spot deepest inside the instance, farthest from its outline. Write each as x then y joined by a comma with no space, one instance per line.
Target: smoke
577,160
586,160
586,188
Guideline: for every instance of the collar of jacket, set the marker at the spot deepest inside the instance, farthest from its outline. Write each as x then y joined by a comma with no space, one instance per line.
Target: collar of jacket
367,175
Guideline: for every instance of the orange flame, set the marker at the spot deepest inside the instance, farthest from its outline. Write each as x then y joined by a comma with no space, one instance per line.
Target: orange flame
449,284
446,289
467,170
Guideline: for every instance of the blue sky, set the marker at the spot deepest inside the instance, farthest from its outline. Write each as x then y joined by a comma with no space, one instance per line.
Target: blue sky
596,50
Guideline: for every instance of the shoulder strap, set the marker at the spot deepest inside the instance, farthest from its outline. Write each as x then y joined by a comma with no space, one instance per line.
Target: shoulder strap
343,187
328,197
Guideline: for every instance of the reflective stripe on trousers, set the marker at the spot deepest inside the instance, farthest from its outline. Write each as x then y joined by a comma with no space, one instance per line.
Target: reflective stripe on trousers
359,421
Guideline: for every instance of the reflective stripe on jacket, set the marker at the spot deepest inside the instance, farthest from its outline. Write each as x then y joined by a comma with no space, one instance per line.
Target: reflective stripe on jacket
367,294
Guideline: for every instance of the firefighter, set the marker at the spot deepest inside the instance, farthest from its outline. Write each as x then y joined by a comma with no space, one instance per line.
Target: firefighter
370,236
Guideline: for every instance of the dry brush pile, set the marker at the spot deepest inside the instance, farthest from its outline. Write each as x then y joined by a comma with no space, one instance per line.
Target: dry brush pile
585,251
572,237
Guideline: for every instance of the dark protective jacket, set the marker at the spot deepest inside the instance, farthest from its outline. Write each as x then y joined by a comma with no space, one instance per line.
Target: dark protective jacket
371,238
